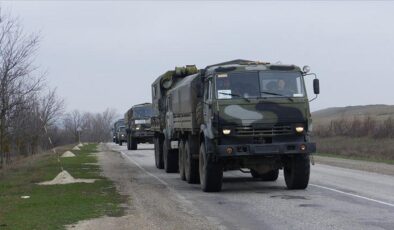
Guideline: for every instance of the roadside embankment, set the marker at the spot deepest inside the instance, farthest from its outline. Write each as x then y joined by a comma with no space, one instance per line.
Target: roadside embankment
24,204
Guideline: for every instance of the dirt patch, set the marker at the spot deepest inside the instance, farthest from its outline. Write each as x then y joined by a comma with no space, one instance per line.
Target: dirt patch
152,205
65,178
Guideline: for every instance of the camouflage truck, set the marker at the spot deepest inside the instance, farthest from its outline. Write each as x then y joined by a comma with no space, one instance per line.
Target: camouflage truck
118,129
238,115
138,125
160,87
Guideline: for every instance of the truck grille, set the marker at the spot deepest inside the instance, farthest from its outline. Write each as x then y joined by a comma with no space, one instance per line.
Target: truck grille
269,131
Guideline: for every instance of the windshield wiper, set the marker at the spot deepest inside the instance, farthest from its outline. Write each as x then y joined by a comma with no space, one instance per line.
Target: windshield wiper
277,94
235,95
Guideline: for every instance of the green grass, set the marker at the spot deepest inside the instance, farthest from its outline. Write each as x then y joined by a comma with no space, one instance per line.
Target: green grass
53,206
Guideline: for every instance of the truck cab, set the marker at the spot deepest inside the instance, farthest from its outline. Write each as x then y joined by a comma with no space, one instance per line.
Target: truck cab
115,130
138,125
256,116
121,134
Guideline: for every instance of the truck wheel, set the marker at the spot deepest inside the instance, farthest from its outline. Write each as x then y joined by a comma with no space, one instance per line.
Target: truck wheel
128,142
191,165
211,173
269,176
296,172
181,157
159,153
120,142
133,144
170,159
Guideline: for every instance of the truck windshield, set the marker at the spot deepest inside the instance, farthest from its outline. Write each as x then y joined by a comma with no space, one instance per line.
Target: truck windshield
143,112
255,84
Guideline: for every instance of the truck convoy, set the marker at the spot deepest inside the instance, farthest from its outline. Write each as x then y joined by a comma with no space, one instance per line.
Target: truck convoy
119,132
235,115
138,125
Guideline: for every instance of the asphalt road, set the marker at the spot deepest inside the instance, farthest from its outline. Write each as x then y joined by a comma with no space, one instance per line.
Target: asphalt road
337,198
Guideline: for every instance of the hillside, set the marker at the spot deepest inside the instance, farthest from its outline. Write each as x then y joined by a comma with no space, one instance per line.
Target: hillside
377,112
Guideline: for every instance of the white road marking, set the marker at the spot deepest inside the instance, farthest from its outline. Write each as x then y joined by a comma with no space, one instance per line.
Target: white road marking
144,170
353,195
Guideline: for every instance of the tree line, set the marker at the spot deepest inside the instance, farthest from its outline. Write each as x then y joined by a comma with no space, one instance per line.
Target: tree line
31,111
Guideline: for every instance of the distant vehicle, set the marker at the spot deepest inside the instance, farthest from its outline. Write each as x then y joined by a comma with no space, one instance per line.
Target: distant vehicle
115,130
231,116
121,135
138,125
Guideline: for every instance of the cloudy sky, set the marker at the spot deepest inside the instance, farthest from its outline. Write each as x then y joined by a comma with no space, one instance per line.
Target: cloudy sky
107,54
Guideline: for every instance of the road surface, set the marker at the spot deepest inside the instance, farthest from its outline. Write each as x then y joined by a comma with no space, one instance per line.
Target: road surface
337,198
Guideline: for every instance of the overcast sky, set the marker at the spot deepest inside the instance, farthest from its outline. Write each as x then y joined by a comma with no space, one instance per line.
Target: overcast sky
107,54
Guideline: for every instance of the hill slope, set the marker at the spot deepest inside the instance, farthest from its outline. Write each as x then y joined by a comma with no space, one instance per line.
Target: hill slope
377,112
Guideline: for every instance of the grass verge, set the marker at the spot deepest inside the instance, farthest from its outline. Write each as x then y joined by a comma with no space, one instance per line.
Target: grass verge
360,158
53,206
363,148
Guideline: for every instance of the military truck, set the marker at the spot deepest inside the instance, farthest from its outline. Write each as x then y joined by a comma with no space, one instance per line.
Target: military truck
116,130
158,122
138,125
236,115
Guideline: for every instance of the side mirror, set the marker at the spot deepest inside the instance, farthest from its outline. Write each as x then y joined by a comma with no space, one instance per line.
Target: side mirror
316,86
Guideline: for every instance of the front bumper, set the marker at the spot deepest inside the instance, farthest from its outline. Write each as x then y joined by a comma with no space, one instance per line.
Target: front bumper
266,149
142,134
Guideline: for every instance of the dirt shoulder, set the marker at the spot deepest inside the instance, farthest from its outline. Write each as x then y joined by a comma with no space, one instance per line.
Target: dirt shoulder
152,205
375,167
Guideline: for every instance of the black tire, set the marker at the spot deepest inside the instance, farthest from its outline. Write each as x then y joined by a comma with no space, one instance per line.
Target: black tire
211,173
159,153
170,157
133,144
296,171
191,165
120,142
181,157
128,142
269,176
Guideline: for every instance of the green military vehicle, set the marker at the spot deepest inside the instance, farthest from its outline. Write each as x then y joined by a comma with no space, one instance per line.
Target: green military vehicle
138,125
235,115
118,130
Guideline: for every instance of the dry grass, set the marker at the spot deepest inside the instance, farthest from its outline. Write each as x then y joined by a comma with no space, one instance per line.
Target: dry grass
366,148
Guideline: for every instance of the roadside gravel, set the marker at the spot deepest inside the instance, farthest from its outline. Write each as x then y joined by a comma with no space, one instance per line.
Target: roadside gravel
152,205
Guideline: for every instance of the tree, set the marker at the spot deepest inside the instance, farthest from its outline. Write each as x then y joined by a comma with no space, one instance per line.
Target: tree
18,82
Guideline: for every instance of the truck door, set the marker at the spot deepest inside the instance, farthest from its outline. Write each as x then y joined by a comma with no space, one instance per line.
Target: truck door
207,110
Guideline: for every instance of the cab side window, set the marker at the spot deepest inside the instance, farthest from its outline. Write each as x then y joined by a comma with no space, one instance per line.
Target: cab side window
208,90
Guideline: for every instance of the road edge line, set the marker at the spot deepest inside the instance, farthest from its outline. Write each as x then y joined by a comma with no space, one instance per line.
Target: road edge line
353,195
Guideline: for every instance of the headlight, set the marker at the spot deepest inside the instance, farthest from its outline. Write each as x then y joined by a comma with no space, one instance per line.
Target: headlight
137,128
226,131
299,129
122,135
